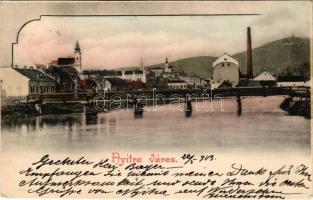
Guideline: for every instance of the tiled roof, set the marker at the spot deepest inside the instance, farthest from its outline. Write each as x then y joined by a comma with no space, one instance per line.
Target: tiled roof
117,81
265,76
291,78
225,58
156,67
136,71
100,72
248,83
34,74
176,81
66,61
65,72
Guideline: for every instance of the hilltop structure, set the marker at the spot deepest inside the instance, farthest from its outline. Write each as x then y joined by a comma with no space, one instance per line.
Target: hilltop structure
167,70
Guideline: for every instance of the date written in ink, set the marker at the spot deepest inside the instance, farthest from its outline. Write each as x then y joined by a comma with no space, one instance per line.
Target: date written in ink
191,158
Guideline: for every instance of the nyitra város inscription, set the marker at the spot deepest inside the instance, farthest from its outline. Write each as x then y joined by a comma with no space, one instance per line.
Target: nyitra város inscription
156,176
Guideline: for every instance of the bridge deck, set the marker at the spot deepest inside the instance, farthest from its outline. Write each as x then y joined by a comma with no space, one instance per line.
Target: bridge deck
88,97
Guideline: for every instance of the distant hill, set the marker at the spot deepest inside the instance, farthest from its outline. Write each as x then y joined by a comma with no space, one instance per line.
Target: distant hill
200,66
285,56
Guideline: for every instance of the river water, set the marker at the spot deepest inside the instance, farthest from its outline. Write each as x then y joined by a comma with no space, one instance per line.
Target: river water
262,127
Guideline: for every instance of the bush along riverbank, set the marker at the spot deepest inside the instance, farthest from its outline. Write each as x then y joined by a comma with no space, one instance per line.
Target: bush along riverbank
18,111
25,110
297,106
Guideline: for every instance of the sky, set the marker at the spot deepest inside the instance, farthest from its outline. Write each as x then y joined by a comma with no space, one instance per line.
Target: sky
112,42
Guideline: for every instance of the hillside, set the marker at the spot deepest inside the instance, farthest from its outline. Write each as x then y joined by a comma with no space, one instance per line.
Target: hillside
199,66
285,56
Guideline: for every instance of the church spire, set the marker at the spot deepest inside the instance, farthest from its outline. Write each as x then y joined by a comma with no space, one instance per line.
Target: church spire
77,57
77,48
167,66
141,63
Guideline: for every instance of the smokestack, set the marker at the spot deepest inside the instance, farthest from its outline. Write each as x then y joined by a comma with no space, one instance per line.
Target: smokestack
249,55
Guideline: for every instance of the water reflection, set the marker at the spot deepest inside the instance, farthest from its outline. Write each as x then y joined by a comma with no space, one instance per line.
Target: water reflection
91,119
41,121
262,126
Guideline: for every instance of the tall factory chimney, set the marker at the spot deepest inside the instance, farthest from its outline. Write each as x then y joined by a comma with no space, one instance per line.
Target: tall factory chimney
249,55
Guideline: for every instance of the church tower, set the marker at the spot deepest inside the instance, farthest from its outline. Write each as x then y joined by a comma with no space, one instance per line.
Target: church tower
167,66
144,71
142,67
78,59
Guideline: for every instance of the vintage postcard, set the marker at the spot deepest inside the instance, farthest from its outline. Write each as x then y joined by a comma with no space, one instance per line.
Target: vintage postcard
156,99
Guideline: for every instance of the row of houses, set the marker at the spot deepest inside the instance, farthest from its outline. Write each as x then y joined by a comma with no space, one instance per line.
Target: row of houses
66,75
27,80
63,75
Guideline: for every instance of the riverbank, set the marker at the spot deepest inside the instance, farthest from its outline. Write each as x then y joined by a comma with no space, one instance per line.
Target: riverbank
25,110
297,107
18,111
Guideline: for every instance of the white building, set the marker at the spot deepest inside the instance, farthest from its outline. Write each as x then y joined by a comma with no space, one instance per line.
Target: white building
176,84
167,71
13,83
226,68
158,71
18,82
133,74
140,73
114,84
167,67
266,79
265,76
192,81
289,81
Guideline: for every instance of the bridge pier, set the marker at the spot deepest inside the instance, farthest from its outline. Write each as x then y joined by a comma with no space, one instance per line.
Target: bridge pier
91,114
38,108
239,106
46,109
138,108
188,110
